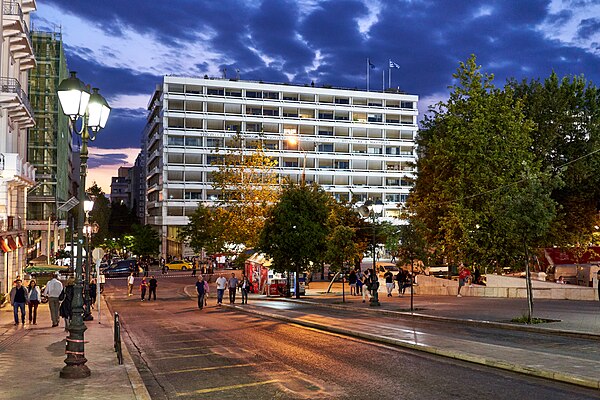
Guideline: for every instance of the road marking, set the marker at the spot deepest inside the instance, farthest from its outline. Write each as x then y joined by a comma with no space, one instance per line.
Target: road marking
222,388
186,356
211,368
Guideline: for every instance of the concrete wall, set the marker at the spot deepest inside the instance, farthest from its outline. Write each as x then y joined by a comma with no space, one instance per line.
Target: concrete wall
504,286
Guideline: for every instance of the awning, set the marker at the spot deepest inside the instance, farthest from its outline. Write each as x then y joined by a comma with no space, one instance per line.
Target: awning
40,268
11,243
19,241
4,246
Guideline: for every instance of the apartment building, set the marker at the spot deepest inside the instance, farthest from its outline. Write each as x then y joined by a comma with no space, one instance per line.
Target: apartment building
16,115
50,147
357,145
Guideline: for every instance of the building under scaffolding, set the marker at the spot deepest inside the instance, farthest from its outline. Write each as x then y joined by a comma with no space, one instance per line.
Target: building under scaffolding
49,147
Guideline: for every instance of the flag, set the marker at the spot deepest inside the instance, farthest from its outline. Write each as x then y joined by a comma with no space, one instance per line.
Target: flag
394,65
371,64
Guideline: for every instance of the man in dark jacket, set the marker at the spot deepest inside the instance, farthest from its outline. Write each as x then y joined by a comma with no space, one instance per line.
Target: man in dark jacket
18,298
200,290
152,284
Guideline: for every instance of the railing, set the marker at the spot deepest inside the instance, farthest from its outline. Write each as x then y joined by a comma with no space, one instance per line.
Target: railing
10,223
12,85
118,339
12,8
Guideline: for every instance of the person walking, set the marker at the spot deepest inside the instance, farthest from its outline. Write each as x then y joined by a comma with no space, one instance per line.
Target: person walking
232,285
359,281
18,299
366,286
389,282
400,280
200,290
130,282
352,283
194,267
152,284
463,277
33,301
206,291
66,307
143,286
245,287
93,292
53,289
221,284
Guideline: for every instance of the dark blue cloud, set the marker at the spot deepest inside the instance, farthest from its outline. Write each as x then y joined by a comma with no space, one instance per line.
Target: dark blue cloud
426,38
99,160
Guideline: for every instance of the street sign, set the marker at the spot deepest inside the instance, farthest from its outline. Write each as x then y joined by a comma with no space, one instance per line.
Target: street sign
98,253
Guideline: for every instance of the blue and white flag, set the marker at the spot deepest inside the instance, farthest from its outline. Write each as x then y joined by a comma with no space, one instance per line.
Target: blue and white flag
394,65
371,64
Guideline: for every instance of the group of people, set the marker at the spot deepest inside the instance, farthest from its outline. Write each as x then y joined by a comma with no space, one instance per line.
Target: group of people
21,296
360,282
232,284
148,285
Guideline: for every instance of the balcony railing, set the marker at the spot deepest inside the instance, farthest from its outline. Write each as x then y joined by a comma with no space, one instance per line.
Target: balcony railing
10,223
12,86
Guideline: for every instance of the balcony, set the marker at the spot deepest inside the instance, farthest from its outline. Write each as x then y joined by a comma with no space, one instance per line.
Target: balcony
14,100
10,223
14,28
14,170
28,6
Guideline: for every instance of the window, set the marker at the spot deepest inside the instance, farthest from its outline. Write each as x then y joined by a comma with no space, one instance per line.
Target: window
253,95
214,92
192,141
175,141
193,195
212,142
326,148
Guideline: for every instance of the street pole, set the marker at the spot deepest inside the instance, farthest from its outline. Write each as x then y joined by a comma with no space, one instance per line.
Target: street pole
93,110
374,208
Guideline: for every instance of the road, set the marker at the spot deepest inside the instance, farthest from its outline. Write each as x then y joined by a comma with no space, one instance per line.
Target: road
183,352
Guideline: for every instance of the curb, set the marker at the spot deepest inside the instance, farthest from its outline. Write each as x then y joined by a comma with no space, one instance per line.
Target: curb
552,375
472,322
137,383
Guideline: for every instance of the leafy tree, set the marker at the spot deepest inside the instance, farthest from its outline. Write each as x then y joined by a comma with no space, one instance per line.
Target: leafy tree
99,214
121,219
146,241
296,229
566,113
475,158
248,187
342,249
206,229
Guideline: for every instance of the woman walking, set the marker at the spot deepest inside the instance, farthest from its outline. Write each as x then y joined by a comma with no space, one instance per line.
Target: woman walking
143,286
35,296
66,309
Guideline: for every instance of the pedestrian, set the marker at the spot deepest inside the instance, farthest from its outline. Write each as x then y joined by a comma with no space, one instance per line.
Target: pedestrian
245,287
18,299
152,284
66,307
359,281
463,277
53,290
221,284
232,285
93,288
352,282
194,267
200,290
366,286
143,286
33,300
146,269
476,276
206,291
130,282
389,282
400,281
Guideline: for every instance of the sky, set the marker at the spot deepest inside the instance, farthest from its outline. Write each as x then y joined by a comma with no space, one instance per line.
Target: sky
126,47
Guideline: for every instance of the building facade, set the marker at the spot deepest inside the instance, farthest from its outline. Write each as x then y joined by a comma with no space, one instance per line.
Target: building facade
49,147
120,187
357,145
16,116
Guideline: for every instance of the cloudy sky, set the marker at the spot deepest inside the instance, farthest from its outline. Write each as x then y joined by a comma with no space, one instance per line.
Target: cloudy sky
124,47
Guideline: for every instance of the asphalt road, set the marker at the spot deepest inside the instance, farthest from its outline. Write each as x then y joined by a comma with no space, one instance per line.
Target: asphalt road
183,352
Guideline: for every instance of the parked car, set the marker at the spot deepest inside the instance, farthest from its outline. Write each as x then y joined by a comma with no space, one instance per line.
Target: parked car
121,268
382,268
179,264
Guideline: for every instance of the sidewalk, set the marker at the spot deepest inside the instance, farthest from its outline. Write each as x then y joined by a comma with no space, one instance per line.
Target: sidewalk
32,356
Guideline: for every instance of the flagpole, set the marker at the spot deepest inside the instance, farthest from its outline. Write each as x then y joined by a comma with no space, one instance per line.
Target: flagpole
390,78
383,79
368,67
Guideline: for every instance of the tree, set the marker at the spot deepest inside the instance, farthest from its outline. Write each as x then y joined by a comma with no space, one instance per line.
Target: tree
342,249
121,219
99,214
248,188
566,113
146,241
475,157
296,229
206,230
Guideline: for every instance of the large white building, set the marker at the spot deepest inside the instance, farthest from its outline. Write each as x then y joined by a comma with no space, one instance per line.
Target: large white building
357,145
16,115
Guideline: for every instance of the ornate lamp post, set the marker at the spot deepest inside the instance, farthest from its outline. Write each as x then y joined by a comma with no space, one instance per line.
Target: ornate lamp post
92,110
375,209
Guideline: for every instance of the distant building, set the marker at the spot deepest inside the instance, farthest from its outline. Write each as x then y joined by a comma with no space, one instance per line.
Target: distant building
357,145
17,175
138,188
49,147
120,187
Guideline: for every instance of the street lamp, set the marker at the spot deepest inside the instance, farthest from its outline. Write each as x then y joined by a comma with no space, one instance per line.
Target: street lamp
375,209
92,110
